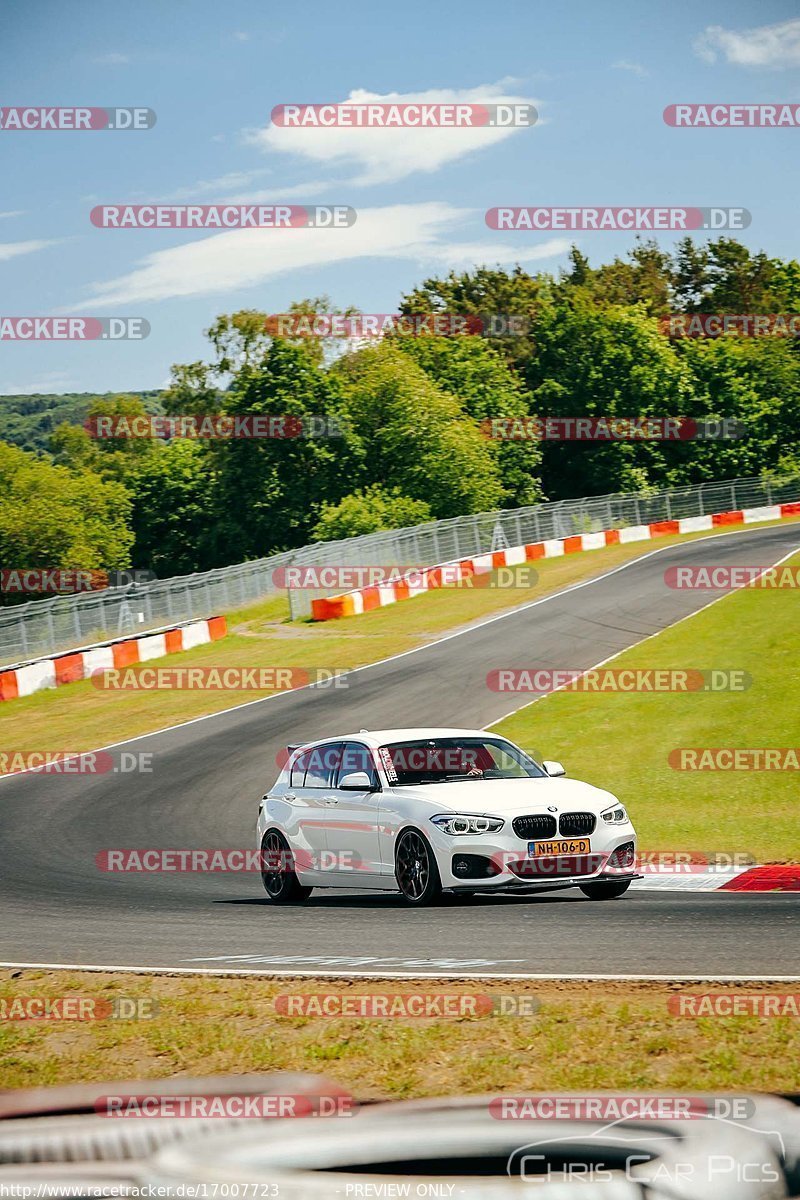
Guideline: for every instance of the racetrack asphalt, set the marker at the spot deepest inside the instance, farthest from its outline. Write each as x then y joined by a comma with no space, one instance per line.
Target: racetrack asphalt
58,908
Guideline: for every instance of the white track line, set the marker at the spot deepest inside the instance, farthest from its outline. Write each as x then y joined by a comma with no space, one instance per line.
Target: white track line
456,975
438,641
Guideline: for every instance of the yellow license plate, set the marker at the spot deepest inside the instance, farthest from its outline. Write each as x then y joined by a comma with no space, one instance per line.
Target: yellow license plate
559,846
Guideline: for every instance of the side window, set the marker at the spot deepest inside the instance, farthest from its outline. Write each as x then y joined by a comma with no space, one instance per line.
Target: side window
322,764
356,757
299,769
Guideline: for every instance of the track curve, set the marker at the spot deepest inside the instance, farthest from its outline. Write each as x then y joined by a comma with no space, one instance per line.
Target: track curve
57,908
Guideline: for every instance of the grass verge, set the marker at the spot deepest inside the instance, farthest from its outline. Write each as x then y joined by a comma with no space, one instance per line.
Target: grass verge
621,741
618,1036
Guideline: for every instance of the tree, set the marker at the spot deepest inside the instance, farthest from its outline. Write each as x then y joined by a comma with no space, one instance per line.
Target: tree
267,491
485,292
414,436
173,509
603,362
111,457
474,372
240,341
690,276
644,279
580,272
367,511
55,517
755,382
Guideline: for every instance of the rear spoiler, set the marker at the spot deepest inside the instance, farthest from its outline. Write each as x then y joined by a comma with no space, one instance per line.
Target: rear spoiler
287,752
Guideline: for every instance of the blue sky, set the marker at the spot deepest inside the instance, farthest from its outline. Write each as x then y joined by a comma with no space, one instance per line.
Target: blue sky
600,76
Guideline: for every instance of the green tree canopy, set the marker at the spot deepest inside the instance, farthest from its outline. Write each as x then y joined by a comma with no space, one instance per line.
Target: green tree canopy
485,385
55,517
415,436
367,511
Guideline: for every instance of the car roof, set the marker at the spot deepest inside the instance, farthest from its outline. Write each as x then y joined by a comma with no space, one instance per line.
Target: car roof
383,737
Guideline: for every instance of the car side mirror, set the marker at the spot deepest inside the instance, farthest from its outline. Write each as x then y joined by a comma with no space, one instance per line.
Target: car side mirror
356,781
553,769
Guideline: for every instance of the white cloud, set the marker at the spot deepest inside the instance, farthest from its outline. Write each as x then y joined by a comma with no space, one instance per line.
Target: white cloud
222,185
766,46
241,258
241,36
622,64
14,249
111,60
227,189
315,189
19,212
387,155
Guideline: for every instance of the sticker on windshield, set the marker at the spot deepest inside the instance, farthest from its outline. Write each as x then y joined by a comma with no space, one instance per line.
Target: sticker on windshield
388,765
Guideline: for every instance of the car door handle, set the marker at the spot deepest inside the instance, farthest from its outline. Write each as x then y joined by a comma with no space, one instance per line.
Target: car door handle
330,800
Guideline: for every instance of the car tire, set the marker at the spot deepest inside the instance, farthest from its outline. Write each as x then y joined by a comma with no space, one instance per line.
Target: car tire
605,891
416,871
282,885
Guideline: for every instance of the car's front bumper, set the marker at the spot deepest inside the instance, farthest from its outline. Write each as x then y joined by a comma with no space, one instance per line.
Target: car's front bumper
500,862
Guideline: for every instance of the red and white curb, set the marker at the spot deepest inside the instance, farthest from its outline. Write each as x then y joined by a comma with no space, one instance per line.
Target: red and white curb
53,672
779,877
416,583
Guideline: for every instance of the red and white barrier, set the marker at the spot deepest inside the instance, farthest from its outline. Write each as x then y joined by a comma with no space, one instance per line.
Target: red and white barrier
777,877
415,583
82,664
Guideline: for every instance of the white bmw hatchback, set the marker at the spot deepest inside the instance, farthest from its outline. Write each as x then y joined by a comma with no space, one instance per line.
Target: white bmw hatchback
421,811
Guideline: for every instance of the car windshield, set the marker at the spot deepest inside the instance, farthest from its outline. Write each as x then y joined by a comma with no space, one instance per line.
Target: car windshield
440,760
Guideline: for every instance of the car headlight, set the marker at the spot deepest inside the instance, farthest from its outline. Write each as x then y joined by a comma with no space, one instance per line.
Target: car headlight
616,815
455,823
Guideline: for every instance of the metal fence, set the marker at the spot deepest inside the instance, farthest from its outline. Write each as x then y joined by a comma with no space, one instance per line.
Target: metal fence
45,627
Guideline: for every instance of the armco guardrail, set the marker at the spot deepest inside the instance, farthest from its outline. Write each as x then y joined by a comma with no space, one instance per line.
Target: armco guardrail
464,537
420,580
43,627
